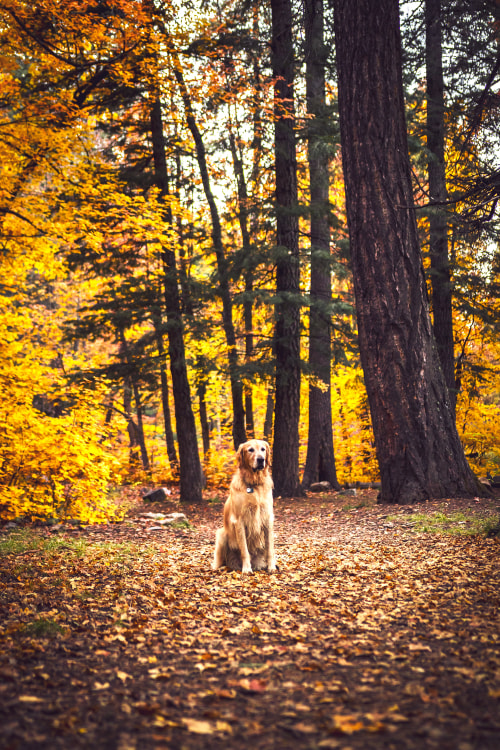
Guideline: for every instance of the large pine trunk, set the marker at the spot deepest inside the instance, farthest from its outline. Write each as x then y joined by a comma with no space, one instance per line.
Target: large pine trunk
287,308
320,459
418,449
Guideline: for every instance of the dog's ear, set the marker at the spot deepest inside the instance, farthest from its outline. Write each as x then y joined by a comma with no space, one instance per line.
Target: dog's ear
240,453
268,455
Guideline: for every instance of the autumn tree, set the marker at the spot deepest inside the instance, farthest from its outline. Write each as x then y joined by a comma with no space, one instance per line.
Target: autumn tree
191,475
287,308
239,433
320,460
457,137
418,449
436,169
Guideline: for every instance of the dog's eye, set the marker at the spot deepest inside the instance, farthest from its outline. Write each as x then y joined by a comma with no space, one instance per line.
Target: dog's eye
250,450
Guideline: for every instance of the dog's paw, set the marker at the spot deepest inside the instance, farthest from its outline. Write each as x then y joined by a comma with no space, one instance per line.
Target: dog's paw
246,568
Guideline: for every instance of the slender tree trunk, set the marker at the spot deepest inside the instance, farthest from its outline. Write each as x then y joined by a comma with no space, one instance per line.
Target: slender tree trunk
268,419
418,449
438,230
243,219
239,435
136,431
191,475
287,308
169,435
133,442
320,459
205,429
248,321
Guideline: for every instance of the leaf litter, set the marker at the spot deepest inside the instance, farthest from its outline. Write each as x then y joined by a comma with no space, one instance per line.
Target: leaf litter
370,635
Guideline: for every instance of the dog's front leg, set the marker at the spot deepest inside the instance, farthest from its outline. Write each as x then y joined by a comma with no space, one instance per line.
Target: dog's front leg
271,560
220,542
241,538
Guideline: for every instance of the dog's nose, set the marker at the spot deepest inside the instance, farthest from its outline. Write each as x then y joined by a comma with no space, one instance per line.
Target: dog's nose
261,461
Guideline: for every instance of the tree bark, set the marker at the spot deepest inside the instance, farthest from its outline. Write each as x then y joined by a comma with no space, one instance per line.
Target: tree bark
438,230
205,427
191,475
320,459
136,431
418,449
243,219
239,435
287,307
268,419
169,435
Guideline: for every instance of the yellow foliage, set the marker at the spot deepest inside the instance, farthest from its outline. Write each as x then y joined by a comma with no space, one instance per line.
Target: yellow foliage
479,429
352,432
478,411
50,467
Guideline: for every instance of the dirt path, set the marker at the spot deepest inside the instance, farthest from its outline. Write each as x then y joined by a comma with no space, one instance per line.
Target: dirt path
370,636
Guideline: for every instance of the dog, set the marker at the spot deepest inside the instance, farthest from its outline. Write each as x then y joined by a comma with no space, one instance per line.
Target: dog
246,541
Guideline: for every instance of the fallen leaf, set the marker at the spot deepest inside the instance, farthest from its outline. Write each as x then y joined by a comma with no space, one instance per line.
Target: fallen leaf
304,728
197,726
347,724
223,726
253,686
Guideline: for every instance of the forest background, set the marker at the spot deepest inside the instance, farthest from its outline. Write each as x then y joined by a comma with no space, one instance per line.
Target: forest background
140,289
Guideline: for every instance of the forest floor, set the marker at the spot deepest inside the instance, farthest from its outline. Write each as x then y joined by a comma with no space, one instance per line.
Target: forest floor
380,630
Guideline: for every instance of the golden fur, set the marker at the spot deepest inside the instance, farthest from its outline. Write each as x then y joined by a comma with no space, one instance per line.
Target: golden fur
246,541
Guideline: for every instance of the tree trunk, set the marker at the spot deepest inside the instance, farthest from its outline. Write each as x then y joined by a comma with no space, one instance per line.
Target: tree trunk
438,230
268,419
133,442
239,435
243,218
287,308
248,320
136,431
169,435
191,475
205,428
418,449
320,459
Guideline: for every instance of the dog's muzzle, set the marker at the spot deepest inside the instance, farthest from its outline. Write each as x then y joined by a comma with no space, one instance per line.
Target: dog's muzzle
261,462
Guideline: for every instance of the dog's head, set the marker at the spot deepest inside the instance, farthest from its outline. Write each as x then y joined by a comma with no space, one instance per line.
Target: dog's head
254,455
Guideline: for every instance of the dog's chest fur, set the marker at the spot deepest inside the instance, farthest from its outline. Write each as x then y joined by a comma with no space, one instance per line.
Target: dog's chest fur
256,518
257,513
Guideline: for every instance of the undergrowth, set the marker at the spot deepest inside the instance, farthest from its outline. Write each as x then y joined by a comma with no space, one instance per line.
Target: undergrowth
457,523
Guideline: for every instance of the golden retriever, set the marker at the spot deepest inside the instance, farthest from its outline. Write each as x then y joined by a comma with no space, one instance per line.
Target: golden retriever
246,541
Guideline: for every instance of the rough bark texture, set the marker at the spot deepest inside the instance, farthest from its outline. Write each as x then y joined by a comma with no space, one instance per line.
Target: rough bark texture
438,230
320,459
287,309
418,449
191,475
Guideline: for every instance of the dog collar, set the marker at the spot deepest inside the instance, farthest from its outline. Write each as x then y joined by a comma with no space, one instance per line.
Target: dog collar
249,489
